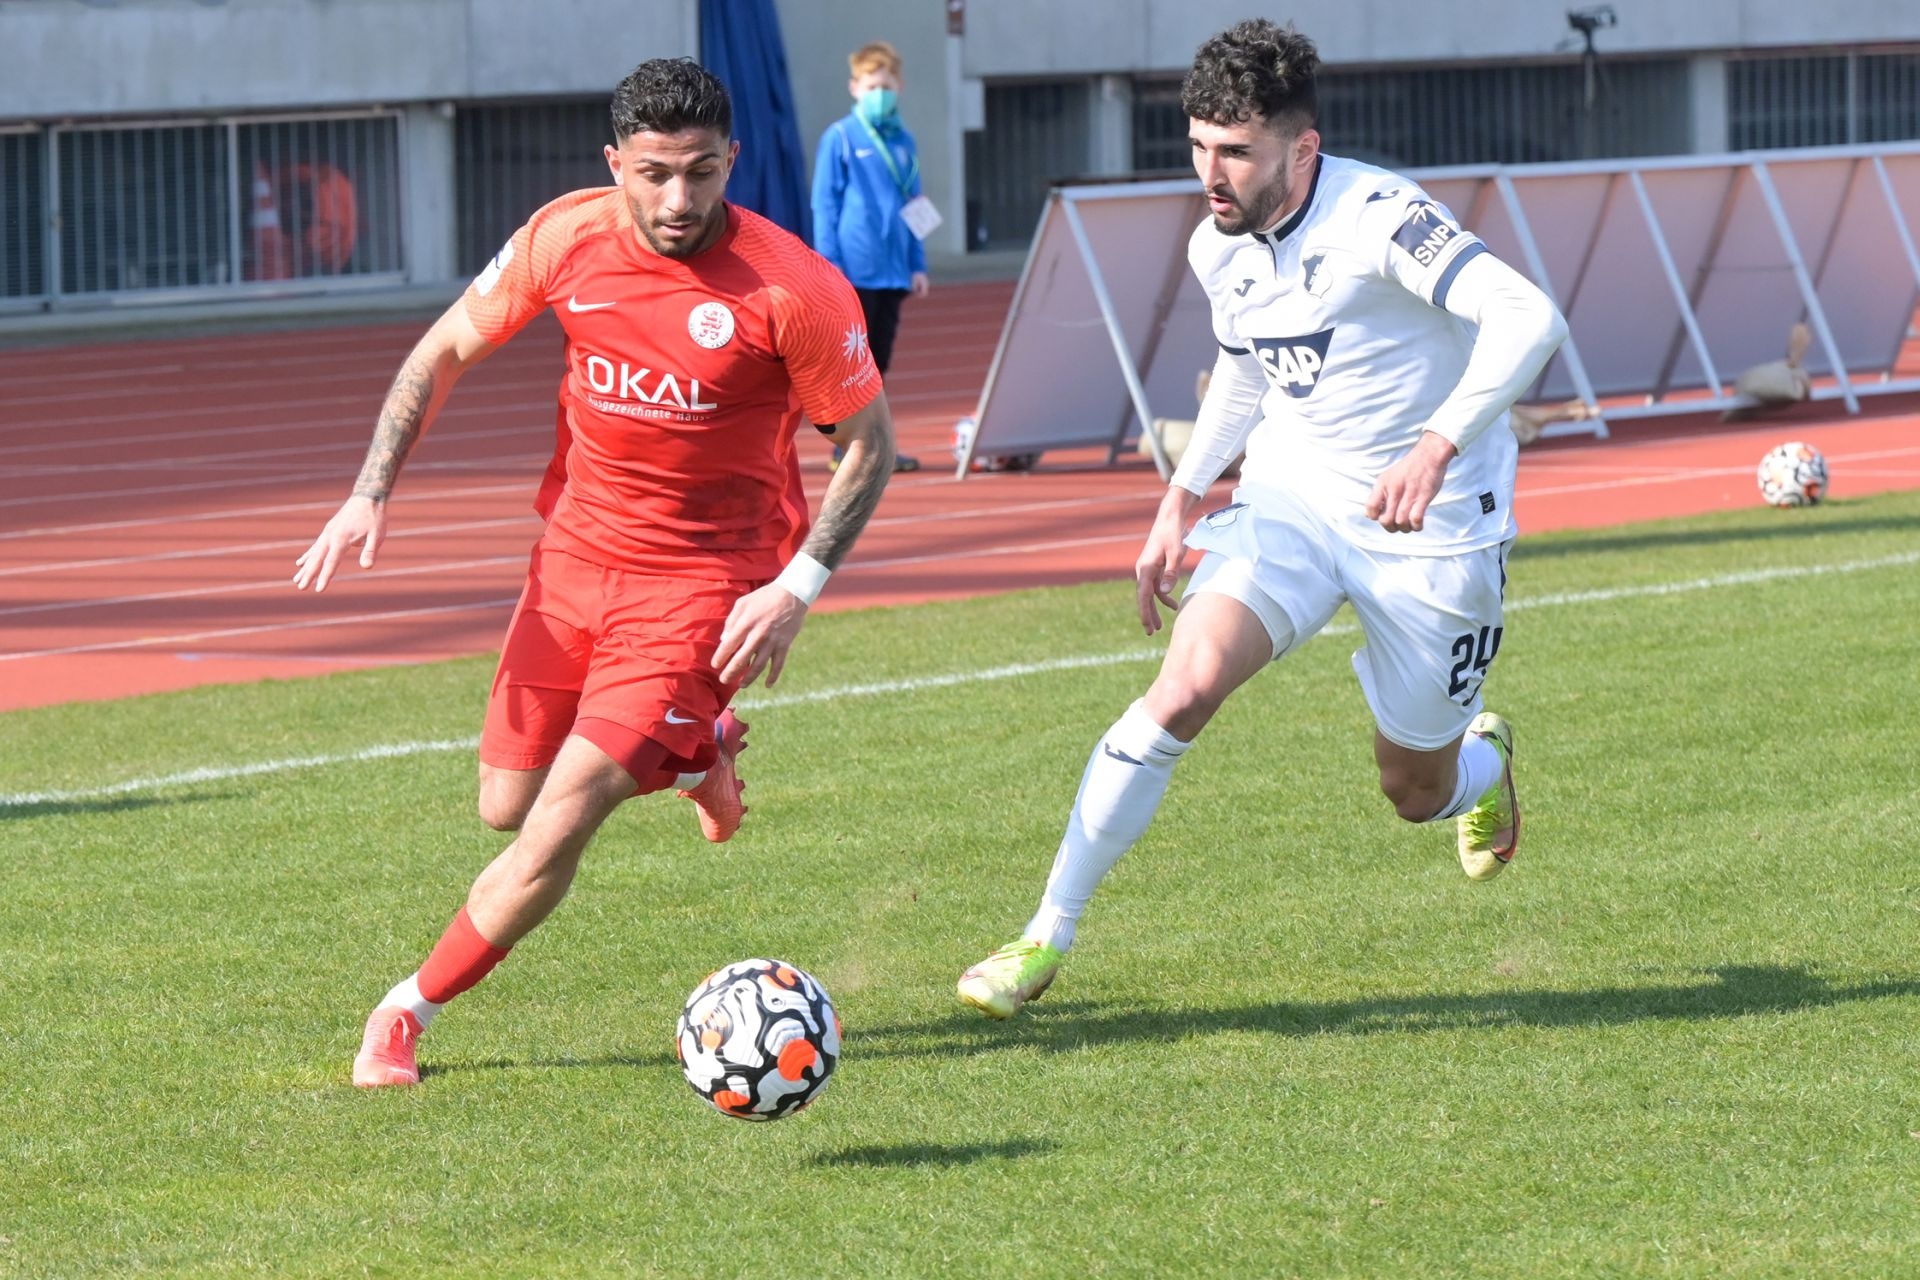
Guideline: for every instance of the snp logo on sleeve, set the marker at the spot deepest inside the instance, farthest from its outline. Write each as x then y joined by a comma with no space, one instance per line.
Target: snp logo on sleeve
1425,232
1294,364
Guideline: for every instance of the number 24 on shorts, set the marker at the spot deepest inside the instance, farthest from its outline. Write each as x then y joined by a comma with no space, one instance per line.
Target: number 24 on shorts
1473,654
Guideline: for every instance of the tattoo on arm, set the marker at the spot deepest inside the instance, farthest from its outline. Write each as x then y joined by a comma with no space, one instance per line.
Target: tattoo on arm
849,503
402,418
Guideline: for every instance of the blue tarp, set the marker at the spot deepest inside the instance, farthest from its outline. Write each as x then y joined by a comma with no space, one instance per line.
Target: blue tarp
740,42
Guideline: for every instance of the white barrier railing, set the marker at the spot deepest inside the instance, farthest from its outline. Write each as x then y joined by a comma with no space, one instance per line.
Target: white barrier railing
1674,274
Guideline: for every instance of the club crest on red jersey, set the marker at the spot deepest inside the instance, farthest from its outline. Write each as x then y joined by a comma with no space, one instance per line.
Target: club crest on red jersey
711,325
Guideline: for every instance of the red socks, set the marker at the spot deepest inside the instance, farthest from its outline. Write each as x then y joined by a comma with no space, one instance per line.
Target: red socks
459,960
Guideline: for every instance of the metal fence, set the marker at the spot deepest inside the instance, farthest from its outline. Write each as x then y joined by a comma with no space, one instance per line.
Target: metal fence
139,210
511,158
1823,100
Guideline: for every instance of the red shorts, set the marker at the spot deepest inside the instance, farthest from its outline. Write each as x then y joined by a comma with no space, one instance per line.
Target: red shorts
618,657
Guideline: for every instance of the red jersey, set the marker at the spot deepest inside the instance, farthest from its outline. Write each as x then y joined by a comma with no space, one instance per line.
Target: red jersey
686,380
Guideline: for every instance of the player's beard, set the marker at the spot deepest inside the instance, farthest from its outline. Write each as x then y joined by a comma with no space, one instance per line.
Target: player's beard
685,247
1258,210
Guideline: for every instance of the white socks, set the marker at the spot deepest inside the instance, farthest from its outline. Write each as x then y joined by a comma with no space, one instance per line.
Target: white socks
407,996
1479,768
1119,792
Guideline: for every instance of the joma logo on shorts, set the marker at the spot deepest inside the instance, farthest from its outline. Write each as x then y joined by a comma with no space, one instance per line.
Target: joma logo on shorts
1294,364
643,385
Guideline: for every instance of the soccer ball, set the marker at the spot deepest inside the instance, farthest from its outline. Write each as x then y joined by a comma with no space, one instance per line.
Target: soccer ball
758,1039
1793,475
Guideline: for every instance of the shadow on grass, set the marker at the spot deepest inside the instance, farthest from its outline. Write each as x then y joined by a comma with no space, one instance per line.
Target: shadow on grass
1789,525
637,1061
110,804
1731,992
912,1155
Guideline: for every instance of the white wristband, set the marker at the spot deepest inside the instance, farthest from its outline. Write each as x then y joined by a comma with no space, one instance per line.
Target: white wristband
803,578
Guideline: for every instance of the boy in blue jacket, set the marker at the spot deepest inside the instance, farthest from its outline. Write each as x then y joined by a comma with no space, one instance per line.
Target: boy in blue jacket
869,216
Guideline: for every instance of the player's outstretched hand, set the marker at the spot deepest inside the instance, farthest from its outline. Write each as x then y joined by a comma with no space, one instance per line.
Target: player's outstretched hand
1401,494
1158,568
759,631
360,522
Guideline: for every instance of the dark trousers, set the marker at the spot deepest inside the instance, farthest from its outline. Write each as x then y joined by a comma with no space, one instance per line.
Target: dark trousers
882,308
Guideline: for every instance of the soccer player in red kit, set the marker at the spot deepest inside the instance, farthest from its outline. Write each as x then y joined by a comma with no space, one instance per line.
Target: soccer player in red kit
677,562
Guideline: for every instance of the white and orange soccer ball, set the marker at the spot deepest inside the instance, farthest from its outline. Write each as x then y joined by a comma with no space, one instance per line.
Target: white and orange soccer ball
1793,475
758,1039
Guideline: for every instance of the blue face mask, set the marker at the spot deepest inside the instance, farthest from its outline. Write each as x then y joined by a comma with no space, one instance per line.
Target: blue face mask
878,106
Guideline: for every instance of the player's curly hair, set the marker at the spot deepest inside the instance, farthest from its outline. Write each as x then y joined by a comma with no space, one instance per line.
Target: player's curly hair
667,95
1254,68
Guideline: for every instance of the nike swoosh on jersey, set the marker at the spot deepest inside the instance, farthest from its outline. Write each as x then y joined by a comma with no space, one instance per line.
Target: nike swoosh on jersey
674,718
861,153
574,304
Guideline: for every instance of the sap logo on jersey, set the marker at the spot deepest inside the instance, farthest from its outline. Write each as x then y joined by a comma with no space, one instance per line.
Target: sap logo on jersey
1294,364
641,386
1425,232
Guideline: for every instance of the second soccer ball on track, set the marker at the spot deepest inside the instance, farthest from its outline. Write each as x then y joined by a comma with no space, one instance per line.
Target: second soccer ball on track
1793,475
758,1039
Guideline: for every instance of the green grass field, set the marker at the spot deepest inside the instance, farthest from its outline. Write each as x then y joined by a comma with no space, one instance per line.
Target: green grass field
1677,1038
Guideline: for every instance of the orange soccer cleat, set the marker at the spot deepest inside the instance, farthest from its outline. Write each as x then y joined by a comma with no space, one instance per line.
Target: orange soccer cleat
717,798
386,1051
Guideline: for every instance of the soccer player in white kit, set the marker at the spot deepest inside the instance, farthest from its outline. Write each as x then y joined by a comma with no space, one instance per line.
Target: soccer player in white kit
1369,351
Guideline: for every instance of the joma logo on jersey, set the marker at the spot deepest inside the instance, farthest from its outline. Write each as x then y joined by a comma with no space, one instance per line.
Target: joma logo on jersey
1425,232
1294,364
643,385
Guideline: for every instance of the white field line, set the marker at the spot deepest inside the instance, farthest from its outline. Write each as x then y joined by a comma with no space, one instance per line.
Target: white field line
918,684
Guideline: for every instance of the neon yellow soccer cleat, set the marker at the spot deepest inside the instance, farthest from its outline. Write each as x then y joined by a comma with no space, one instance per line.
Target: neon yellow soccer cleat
1490,831
1011,976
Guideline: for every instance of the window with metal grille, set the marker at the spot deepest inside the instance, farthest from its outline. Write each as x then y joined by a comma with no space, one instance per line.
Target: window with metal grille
23,220
1813,100
142,207
1464,116
511,158
193,205
1035,135
1428,116
323,197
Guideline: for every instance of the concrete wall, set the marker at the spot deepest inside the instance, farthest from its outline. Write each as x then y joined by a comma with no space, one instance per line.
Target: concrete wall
1025,37
63,58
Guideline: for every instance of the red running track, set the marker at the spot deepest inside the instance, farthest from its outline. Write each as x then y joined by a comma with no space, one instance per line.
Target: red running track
156,493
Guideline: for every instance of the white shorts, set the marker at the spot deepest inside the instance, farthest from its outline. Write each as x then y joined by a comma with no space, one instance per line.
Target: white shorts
1432,623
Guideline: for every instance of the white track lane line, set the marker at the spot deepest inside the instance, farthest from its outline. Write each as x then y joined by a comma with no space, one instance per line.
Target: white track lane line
175,519
347,620
257,548
918,684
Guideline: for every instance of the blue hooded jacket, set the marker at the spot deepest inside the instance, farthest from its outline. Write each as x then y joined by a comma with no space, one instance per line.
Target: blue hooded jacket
856,204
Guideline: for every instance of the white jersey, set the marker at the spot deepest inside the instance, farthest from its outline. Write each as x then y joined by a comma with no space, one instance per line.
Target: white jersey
1344,307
